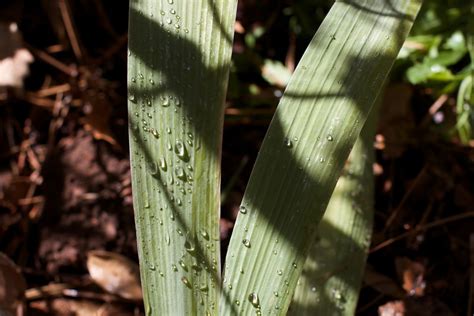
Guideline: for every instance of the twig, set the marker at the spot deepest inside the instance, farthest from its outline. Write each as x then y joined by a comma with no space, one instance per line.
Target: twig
71,29
395,213
421,228
68,70
435,108
46,92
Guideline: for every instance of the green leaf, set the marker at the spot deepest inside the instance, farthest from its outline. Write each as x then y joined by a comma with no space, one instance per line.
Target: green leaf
179,58
275,73
424,72
332,274
314,128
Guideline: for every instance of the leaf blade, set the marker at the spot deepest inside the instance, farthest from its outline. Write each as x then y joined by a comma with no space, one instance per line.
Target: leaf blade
334,268
310,137
179,57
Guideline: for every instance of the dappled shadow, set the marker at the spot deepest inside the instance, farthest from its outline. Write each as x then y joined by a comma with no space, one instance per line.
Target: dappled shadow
195,260
167,96
307,157
333,271
392,12
182,81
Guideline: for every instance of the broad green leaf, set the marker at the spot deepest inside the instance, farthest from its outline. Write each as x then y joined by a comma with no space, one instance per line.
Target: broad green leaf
179,57
314,128
332,274
424,72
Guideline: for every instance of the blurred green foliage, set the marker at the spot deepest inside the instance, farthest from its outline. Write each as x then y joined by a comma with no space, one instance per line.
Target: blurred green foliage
435,56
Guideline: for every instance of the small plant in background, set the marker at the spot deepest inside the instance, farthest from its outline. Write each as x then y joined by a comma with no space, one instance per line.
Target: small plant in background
435,55
179,57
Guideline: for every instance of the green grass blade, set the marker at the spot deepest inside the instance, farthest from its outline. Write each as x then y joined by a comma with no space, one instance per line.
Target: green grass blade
314,128
179,56
336,260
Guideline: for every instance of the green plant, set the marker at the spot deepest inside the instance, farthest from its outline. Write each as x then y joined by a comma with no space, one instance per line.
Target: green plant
438,54
179,56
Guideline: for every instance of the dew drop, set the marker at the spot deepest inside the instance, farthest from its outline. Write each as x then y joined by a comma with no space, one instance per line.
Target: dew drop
237,302
170,1
180,150
189,246
163,165
254,300
204,234
152,82
179,172
153,168
155,133
186,282
183,265
288,143
279,272
169,21
336,294
174,268
330,138
165,102
246,243
242,209
132,98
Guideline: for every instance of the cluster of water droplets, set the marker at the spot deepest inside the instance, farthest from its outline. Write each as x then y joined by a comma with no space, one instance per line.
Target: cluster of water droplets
172,179
171,20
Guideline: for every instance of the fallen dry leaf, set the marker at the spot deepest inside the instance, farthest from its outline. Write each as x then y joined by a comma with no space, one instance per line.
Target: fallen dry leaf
12,284
69,307
412,275
96,121
115,273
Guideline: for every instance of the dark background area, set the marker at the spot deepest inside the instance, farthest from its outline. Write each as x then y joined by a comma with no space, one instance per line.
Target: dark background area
64,169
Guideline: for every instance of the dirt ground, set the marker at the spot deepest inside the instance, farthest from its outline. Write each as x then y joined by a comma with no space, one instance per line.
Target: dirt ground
65,176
